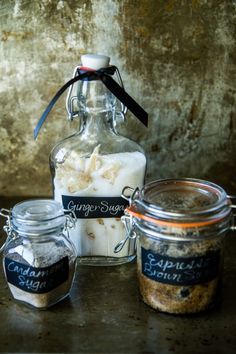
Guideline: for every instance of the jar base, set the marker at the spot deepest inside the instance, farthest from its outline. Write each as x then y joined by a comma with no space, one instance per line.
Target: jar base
104,261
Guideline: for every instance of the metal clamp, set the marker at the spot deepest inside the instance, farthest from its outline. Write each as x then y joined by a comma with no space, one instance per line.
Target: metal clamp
70,219
71,99
8,227
232,206
131,196
129,232
127,220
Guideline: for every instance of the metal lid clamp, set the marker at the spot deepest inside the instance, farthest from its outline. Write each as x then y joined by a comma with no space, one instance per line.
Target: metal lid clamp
69,215
232,206
127,219
6,213
92,62
132,194
71,99
129,232
70,221
205,204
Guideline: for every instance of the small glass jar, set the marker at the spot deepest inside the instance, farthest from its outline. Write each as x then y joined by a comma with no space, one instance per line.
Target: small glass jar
180,225
38,259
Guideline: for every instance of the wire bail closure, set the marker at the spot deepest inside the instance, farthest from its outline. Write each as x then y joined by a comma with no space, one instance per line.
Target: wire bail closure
103,74
71,99
130,234
9,229
127,219
134,193
131,214
6,213
232,206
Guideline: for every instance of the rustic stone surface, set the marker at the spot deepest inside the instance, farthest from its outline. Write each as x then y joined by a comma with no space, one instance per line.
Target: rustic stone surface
177,58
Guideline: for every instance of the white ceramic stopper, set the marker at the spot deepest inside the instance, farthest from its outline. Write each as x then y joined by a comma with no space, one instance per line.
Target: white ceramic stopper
95,61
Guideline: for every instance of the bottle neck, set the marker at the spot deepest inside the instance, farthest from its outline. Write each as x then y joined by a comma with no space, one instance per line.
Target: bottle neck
97,108
98,123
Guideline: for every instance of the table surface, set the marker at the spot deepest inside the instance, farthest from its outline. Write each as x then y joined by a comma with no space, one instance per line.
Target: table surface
105,314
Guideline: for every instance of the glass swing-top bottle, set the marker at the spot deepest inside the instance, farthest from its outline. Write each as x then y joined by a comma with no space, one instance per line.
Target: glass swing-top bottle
91,168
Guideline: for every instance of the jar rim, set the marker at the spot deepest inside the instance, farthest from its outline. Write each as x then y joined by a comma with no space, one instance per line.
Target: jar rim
193,202
37,216
132,211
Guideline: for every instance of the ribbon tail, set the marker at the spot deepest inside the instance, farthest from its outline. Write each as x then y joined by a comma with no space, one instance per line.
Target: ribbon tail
125,98
52,103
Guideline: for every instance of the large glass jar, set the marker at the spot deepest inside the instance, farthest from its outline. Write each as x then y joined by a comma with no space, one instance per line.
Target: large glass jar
38,258
90,169
180,225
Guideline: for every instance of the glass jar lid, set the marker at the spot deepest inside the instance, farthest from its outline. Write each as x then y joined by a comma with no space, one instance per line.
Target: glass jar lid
191,202
37,216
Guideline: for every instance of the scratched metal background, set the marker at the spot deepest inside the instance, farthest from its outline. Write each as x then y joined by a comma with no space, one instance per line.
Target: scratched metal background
177,59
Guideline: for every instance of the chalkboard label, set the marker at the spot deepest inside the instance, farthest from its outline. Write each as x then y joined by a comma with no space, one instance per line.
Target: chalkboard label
180,270
95,207
36,280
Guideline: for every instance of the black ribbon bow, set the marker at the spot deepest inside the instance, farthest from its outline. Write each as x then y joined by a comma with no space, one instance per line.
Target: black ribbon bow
104,74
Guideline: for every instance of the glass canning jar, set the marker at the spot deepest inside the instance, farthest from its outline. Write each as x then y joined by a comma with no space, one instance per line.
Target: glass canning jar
180,225
38,258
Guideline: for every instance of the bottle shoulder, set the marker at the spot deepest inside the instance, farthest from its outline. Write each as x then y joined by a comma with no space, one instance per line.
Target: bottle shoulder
82,145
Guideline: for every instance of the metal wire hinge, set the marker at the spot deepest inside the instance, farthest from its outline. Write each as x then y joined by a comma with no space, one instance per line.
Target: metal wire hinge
70,100
70,219
8,227
232,206
129,232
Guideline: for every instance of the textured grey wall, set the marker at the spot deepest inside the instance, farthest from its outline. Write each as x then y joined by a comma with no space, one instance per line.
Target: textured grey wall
177,58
